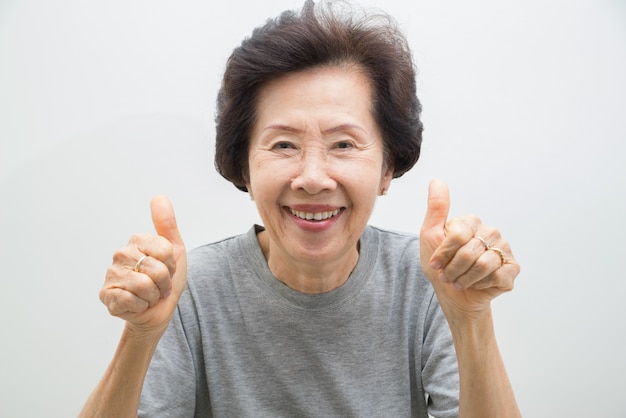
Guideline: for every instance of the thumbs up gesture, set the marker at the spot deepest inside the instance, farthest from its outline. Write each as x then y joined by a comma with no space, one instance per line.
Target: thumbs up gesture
468,263
148,275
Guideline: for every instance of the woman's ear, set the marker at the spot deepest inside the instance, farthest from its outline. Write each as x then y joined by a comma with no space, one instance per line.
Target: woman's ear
385,180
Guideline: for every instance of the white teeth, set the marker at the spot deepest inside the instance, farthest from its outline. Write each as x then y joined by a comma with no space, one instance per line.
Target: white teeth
318,216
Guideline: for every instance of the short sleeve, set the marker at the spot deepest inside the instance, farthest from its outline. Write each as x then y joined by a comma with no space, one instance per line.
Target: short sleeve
440,372
169,389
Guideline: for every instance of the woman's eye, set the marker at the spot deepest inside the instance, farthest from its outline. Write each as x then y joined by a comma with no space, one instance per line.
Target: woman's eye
283,145
343,145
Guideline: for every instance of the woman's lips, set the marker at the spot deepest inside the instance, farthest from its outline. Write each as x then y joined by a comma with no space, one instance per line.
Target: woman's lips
314,216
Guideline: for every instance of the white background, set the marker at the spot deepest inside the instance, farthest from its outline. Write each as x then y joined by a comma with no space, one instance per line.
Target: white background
105,103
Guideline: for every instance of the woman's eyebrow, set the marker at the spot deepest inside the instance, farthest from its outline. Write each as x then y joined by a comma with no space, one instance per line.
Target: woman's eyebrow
280,127
343,127
334,129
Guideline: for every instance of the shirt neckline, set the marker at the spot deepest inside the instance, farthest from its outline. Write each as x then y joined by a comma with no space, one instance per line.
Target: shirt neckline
290,298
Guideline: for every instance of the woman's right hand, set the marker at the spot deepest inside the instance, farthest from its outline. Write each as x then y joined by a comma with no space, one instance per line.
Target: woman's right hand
145,294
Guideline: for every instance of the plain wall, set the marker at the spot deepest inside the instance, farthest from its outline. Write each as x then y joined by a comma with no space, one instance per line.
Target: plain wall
105,103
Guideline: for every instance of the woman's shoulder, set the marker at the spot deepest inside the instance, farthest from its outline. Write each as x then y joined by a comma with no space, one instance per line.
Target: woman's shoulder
396,264
387,238
392,249
225,246
217,259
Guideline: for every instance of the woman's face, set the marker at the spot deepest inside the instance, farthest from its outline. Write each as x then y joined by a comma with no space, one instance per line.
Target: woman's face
316,163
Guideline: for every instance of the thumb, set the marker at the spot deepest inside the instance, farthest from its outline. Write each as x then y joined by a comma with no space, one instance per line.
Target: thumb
438,205
164,219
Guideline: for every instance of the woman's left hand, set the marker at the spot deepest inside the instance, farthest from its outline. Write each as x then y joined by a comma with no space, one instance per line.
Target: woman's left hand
468,263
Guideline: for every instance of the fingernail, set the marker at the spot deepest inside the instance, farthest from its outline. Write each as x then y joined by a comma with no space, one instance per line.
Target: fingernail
443,278
167,293
435,265
458,286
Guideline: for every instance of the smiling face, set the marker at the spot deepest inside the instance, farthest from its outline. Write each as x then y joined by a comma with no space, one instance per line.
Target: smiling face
316,166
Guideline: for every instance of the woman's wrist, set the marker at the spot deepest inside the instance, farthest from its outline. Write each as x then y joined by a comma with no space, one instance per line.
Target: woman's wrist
142,335
471,326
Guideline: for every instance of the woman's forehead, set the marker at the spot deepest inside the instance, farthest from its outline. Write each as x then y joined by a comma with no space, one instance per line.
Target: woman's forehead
333,96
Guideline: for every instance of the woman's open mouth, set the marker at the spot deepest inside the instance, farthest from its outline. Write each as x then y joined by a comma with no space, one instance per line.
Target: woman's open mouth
314,216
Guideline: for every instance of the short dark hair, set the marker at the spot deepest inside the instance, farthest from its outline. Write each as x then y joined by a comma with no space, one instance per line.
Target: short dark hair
329,33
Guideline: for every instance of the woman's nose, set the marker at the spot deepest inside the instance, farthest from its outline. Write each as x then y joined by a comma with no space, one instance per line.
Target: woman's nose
313,174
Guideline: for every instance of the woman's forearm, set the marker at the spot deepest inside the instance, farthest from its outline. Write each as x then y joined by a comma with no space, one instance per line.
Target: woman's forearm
485,387
118,392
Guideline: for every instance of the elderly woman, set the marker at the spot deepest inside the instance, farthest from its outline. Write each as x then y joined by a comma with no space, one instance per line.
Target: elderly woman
315,313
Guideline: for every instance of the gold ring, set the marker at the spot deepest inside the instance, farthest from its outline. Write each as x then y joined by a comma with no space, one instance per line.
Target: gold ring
500,253
483,242
138,265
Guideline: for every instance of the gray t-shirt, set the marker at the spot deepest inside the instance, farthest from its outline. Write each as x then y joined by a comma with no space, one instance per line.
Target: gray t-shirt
242,344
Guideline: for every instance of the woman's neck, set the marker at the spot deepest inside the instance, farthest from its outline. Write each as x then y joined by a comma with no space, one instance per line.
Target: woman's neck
307,277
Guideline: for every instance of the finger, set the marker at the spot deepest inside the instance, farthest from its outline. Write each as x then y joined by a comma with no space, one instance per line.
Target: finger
150,255
158,274
438,206
501,280
488,270
120,301
466,260
139,283
154,246
466,241
459,233
164,219
483,267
